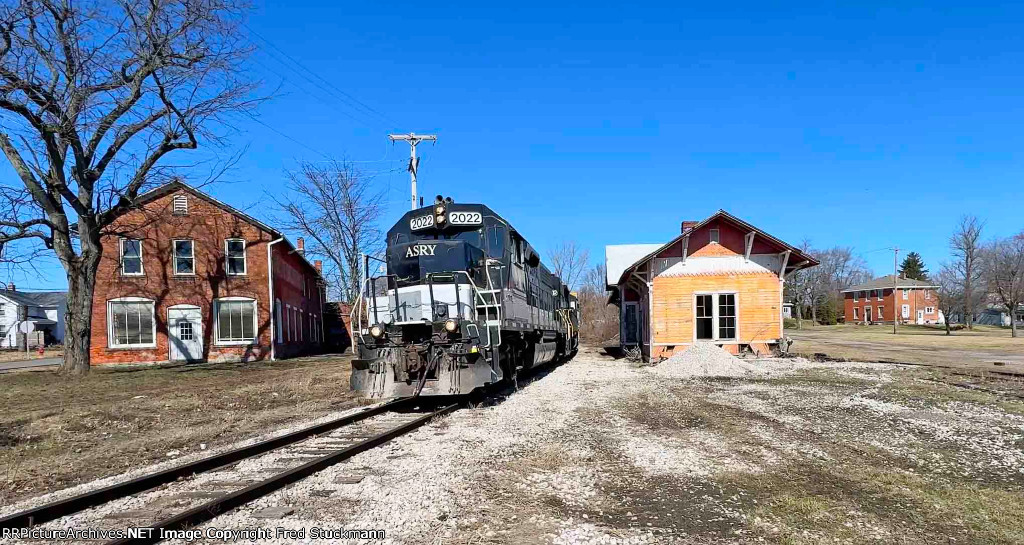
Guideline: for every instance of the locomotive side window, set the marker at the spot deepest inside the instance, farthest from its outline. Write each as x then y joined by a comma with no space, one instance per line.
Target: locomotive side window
496,241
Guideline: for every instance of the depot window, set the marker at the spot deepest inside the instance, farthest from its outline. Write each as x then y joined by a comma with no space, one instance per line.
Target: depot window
715,316
236,320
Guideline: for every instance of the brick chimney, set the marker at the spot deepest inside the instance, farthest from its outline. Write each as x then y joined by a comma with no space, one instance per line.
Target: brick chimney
688,225
319,266
301,246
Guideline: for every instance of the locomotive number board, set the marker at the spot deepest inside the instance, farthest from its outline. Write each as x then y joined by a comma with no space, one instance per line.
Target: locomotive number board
421,222
465,218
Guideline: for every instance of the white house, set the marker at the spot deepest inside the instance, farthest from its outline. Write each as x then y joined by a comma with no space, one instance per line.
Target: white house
40,314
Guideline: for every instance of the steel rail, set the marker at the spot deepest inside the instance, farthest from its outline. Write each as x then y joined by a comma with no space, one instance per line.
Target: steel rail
218,506
74,504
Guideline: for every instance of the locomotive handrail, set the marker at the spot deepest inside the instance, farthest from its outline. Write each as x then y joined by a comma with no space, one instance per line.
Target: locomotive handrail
356,315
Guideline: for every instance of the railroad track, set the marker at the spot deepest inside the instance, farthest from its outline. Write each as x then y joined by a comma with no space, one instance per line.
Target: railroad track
193,493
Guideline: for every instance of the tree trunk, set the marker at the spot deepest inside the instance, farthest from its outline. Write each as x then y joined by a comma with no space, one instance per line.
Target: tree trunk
946,321
1013,322
814,313
799,314
78,317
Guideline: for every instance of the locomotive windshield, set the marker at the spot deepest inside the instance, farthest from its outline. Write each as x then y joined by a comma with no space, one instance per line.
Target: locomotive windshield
411,262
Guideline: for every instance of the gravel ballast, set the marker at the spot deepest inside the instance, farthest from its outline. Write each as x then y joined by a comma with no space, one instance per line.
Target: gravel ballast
600,451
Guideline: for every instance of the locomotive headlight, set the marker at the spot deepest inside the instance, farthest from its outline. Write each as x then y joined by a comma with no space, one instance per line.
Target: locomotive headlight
376,331
439,210
450,325
440,219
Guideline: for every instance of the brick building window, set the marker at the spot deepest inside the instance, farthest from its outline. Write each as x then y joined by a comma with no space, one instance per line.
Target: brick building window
881,314
927,294
278,325
130,323
880,294
131,257
234,250
855,315
184,257
906,294
236,320
855,298
929,310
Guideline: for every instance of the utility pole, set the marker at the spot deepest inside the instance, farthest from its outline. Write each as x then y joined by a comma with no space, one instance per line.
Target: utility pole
413,139
895,283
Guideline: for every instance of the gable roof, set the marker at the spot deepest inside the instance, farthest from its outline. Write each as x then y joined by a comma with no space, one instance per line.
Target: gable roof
886,281
35,298
619,257
797,260
178,185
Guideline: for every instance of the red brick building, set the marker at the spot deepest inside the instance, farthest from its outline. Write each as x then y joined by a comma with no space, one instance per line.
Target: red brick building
916,302
185,277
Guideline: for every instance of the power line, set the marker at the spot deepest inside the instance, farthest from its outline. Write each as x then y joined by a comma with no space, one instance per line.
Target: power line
320,153
349,97
312,94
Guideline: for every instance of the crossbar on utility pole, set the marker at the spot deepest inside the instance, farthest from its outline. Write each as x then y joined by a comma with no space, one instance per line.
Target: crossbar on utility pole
413,139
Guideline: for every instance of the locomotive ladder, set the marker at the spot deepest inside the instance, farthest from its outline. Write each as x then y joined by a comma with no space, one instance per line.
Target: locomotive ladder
491,300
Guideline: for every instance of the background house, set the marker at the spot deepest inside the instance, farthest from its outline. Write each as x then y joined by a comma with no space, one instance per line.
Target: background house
185,277
40,314
916,301
719,281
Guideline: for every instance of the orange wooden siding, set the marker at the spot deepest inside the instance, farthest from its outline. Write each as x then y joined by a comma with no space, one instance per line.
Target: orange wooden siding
758,301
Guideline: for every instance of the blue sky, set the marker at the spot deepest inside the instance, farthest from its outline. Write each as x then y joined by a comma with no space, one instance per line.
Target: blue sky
609,124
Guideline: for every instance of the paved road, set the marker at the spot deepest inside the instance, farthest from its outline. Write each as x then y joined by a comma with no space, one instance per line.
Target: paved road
24,364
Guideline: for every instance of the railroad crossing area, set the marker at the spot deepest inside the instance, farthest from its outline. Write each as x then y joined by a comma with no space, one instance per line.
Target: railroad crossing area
604,450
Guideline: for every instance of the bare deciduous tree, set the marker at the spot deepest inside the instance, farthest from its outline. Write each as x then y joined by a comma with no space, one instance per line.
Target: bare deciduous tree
1003,264
94,95
568,262
819,286
965,244
337,208
949,292
599,320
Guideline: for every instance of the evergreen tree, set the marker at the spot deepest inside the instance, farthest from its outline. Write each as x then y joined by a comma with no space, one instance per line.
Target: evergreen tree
913,267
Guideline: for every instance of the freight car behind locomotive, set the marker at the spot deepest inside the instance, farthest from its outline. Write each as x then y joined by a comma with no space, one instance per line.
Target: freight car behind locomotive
466,302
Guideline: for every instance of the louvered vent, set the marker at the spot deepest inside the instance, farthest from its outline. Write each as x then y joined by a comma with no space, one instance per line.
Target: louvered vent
180,205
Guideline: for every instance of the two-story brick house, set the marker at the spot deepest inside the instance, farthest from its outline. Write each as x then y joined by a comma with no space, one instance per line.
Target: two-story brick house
185,277
916,301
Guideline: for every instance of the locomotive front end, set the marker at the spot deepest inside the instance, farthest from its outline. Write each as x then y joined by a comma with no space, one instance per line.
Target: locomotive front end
425,329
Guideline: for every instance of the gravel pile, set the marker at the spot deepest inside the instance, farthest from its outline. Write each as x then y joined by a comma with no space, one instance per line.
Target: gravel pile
703,360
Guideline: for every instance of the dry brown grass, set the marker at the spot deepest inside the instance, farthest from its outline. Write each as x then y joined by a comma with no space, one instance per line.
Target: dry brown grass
980,348
57,432
19,355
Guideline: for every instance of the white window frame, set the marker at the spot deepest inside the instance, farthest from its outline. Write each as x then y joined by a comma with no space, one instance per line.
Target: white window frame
856,297
142,265
880,313
927,295
278,326
929,310
227,257
881,294
867,313
112,339
855,316
302,325
174,256
255,321
715,316
288,320
715,237
905,312
906,294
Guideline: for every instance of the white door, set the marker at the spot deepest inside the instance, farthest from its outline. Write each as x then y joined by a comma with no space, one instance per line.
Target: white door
185,333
